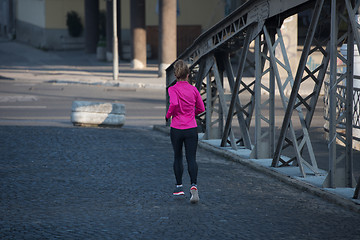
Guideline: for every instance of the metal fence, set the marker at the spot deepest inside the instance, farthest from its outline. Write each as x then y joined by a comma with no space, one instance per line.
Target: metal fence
340,108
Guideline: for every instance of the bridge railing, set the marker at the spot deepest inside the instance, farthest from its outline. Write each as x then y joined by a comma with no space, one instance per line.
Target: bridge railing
340,111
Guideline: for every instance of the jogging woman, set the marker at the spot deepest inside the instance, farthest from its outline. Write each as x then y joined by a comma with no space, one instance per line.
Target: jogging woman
185,103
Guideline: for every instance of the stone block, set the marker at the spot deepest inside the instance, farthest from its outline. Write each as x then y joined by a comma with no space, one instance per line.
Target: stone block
86,113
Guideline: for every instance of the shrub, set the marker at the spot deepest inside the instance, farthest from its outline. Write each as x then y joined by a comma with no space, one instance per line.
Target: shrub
102,24
73,22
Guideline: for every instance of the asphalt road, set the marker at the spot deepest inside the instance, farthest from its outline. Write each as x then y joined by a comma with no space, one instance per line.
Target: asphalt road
26,103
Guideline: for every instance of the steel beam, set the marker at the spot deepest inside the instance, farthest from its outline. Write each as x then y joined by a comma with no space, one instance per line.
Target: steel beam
349,179
341,162
264,135
209,107
354,24
294,104
355,30
239,111
228,131
235,90
332,96
274,62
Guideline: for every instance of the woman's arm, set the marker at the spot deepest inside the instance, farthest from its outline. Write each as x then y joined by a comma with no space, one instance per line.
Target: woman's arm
199,105
173,103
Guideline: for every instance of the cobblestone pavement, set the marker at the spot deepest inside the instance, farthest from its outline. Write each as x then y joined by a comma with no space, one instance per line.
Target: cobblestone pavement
105,183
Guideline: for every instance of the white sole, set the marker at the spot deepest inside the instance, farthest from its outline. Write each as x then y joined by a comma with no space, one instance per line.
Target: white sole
194,196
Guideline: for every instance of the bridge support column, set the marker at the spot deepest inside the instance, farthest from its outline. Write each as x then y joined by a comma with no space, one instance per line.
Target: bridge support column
91,25
138,33
167,34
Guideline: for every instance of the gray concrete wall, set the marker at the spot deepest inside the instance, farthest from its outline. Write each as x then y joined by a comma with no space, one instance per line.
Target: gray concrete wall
52,39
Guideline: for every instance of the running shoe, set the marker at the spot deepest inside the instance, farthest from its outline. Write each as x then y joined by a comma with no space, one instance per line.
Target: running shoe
178,191
194,194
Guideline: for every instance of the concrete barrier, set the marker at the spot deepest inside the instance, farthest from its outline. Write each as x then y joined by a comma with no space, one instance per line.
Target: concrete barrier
85,113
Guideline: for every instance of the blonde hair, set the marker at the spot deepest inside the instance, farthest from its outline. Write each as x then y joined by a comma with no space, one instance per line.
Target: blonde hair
181,70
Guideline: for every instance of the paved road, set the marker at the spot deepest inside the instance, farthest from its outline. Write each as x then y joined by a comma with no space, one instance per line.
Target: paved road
34,103
106,183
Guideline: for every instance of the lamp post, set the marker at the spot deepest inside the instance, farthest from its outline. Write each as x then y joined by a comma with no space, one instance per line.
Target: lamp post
115,44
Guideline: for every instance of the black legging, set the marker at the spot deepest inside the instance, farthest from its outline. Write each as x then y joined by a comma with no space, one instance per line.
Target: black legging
189,137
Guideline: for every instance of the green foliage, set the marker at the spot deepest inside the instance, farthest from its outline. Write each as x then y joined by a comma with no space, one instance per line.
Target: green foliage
73,22
102,24
102,42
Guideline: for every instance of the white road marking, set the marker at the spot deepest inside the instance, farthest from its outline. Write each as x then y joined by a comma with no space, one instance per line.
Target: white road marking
18,98
35,118
159,107
144,117
23,107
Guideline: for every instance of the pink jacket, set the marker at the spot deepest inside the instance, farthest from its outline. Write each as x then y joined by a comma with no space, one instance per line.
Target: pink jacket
185,103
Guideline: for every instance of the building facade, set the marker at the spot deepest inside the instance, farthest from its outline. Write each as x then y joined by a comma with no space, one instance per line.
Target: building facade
42,23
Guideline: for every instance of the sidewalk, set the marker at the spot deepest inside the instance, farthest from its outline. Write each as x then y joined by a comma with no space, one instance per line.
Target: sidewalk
288,175
24,63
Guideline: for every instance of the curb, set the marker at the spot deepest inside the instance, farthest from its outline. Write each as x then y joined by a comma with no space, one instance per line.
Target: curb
110,84
328,196
333,198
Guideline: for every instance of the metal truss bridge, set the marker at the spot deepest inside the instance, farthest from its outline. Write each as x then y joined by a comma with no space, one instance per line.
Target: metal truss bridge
257,23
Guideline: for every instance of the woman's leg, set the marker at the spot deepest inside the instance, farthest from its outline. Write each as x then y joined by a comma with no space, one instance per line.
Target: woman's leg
177,143
191,142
